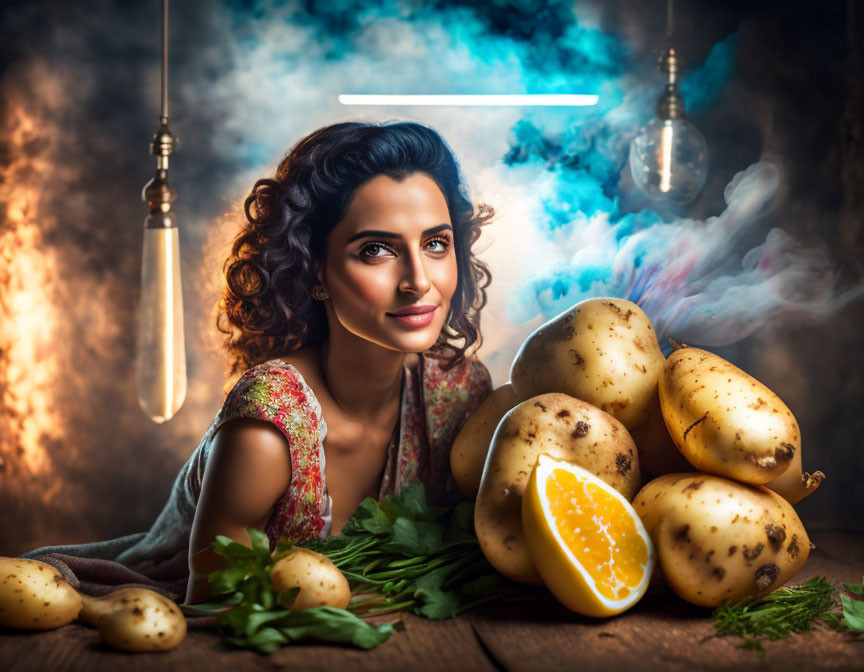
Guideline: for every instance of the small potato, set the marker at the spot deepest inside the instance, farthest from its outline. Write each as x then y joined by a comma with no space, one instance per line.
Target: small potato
720,541
471,445
563,428
603,351
147,621
123,598
35,596
724,421
321,582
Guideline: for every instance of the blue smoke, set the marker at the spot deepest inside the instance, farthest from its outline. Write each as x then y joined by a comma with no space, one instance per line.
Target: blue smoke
568,165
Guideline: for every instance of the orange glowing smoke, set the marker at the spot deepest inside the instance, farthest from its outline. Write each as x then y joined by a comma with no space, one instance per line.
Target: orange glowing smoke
78,459
29,367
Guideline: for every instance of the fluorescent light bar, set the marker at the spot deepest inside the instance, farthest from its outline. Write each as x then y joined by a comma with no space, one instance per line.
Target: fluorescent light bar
521,100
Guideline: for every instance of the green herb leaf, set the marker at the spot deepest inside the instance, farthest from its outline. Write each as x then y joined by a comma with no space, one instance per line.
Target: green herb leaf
438,604
855,588
211,608
228,548
267,640
326,624
853,612
414,537
483,586
368,518
434,580
260,545
463,518
410,503
228,580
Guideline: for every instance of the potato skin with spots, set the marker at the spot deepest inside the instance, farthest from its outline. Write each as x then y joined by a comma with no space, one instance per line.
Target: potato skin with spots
795,484
123,598
724,421
719,541
35,596
603,351
146,621
559,426
321,583
471,445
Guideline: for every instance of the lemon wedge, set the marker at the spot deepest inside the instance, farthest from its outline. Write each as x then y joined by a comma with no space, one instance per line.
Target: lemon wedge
585,539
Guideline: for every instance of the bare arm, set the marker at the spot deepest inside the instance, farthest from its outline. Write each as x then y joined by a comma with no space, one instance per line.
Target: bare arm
248,469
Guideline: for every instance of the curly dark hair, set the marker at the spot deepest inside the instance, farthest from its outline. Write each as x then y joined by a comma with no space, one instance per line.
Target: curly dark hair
266,308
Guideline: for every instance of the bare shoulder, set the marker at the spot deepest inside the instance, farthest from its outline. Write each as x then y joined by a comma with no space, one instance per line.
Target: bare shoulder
253,447
248,470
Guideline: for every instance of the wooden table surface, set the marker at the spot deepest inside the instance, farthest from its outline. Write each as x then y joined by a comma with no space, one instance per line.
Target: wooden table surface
662,632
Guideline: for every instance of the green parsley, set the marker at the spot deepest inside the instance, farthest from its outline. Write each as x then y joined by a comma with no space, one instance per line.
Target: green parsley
397,554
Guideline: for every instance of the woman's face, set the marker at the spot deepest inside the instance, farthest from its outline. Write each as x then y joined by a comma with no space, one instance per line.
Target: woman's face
393,250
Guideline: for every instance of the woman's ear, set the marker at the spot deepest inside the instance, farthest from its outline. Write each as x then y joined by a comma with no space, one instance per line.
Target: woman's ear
319,289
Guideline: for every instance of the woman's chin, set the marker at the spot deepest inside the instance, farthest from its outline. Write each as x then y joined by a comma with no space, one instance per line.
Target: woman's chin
419,341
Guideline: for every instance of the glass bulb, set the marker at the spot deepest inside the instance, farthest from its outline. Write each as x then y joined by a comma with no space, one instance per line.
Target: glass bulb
669,160
160,363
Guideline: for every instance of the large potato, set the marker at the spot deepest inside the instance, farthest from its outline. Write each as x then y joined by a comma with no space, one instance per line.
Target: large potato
603,351
724,421
146,621
561,427
720,541
471,445
35,596
321,582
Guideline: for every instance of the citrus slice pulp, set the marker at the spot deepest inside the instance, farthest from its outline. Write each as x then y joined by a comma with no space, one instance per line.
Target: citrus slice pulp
585,539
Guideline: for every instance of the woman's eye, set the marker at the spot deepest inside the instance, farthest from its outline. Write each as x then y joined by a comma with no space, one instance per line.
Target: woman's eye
443,244
372,251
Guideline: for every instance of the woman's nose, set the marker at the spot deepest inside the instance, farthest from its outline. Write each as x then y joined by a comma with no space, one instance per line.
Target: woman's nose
414,279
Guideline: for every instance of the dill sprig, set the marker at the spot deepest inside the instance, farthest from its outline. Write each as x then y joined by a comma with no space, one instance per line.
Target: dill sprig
795,609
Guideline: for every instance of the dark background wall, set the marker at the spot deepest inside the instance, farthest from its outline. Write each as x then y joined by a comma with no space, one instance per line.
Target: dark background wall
78,461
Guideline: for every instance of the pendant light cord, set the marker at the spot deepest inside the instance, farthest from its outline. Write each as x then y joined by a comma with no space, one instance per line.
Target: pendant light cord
164,118
670,16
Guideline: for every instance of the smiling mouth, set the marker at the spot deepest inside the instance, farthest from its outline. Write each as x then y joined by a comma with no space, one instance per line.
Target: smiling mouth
415,320
414,311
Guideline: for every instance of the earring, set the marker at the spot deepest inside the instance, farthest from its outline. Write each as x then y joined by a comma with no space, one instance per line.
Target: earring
319,293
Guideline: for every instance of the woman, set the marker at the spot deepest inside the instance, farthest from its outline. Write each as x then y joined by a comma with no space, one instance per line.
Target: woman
352,294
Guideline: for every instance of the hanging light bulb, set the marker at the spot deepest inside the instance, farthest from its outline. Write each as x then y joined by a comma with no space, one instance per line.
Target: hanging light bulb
160,358
669,157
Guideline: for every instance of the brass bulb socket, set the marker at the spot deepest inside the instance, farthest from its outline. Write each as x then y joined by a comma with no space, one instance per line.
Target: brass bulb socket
158,194
163,142
671,104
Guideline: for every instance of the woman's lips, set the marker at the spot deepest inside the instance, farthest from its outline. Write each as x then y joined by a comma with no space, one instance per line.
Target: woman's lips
419,320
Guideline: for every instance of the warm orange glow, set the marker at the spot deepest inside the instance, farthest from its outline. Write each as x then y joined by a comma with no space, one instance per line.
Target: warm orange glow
74,445
29,366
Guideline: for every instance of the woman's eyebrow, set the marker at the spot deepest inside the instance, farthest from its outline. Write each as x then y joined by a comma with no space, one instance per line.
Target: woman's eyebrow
390,234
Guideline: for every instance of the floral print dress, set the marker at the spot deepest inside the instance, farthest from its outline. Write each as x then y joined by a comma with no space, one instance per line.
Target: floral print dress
435,404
